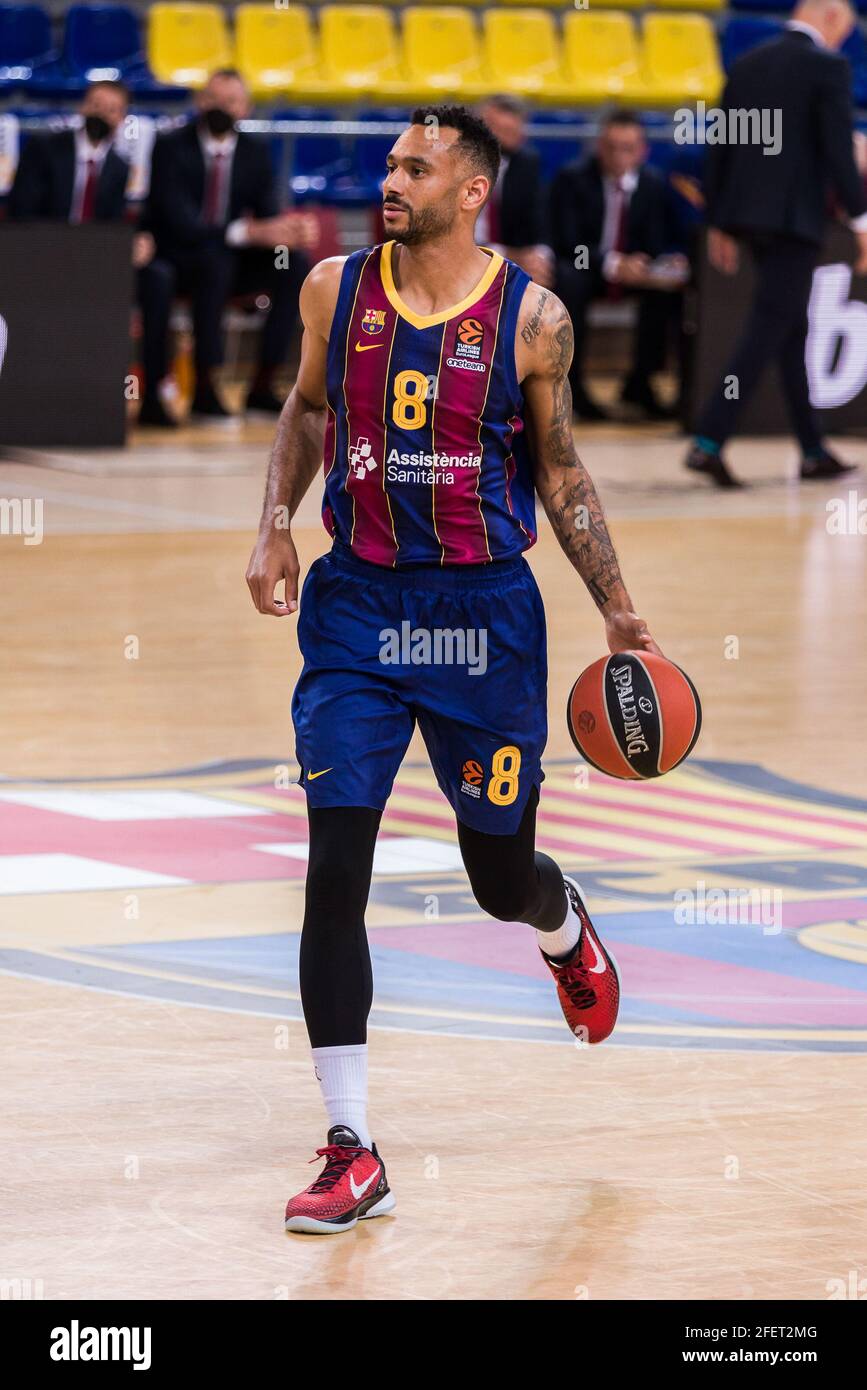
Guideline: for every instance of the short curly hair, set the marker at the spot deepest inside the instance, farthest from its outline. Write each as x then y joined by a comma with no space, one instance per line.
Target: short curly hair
476,142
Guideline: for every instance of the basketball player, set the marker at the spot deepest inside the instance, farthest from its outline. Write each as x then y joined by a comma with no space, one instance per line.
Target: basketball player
439,372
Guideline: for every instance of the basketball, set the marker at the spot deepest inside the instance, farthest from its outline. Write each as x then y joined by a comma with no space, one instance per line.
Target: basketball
634,715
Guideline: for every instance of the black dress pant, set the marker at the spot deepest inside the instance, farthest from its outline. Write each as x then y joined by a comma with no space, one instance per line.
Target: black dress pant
775,330
210,276
656,310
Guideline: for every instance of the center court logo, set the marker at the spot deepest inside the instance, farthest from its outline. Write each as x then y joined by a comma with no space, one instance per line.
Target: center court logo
437,646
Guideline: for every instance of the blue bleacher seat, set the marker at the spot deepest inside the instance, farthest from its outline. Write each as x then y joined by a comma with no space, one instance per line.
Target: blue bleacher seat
316,159
855,49
25,44
371,150
337,170
555,152
323,170
106,41
743,32
764,6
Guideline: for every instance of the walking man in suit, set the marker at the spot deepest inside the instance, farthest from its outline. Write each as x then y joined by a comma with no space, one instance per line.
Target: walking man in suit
776,205
609,220
214,213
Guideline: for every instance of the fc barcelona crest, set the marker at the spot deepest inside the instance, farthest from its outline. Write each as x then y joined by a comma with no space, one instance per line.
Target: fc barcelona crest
373,321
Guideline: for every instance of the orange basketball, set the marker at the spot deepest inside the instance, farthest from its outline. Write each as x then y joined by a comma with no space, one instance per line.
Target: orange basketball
634,715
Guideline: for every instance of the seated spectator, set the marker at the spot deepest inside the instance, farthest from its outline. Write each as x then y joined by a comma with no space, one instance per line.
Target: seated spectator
77,175
214,213
608,224
513,219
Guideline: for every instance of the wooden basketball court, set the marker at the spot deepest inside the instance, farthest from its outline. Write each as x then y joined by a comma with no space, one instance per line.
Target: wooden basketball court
160,1104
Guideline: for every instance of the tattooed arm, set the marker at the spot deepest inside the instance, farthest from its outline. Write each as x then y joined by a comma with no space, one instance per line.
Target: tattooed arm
543,354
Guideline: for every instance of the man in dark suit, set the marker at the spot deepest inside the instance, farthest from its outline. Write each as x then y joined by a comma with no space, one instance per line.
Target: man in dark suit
214,212
76,175
776,204
609,221
513,219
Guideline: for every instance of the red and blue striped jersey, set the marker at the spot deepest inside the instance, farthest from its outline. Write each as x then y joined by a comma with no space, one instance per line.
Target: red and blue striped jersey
426,458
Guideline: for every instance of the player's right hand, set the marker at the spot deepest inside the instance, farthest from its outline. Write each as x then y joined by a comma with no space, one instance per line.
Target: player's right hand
274,558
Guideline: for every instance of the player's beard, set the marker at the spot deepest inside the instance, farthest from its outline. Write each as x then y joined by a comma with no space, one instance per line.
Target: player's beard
426,225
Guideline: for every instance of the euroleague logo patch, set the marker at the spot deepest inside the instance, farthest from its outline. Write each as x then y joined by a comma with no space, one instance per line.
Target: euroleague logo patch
469,341
373,321
471,333
472,774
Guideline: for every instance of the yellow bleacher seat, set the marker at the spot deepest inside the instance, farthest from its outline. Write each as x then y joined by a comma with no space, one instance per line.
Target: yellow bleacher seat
522,54
187,42
441,54
715,5
359,50
680,59
276,50
602,57
613,5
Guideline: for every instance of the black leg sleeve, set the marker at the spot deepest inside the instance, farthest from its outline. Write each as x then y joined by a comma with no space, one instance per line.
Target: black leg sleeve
509,879
335,969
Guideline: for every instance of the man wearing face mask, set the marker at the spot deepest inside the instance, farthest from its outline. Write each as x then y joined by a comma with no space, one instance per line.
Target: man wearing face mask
213,211
76,175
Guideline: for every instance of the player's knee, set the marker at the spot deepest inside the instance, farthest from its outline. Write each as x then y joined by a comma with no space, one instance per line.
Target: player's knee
336,889
507,899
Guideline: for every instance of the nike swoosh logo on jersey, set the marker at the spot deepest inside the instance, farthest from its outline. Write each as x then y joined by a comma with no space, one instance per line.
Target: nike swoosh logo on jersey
358,1190
599,967
367,347
311,776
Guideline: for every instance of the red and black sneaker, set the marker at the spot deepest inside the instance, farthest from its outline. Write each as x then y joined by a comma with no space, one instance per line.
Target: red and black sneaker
588,982
351,1187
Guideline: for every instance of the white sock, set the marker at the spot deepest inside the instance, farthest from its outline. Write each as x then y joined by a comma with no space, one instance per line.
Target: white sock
563,941
342,1076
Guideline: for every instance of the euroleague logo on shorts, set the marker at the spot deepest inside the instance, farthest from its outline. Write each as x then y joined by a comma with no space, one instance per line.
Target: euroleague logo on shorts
472,774
469,341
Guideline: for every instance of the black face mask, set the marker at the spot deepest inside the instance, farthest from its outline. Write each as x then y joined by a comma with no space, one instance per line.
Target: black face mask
218,121
96,129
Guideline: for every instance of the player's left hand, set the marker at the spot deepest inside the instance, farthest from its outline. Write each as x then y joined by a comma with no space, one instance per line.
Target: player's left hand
626,632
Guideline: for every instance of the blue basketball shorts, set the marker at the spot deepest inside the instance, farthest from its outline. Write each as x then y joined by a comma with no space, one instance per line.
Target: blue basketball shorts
461,651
